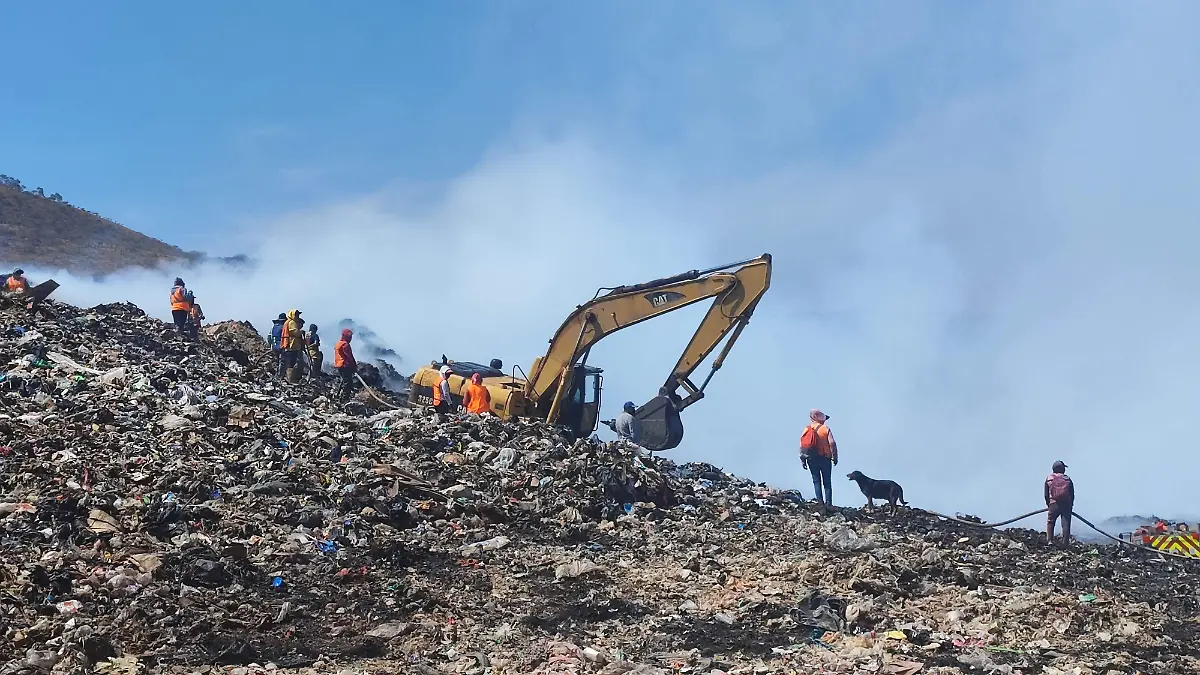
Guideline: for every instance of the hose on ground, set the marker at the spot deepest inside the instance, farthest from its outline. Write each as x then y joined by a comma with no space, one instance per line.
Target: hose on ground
371,391
1002,523
1085,521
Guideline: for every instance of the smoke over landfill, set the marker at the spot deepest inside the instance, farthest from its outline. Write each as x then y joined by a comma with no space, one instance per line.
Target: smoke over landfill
990,270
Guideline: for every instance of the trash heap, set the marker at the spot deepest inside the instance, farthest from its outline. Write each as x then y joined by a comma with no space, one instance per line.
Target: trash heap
167,506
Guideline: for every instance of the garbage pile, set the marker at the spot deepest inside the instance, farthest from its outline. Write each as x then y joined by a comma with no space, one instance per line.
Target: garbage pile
167,506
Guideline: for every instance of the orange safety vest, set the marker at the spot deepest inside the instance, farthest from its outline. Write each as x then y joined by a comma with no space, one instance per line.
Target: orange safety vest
15,284
477,399
437,391
339,353
179,300
821,432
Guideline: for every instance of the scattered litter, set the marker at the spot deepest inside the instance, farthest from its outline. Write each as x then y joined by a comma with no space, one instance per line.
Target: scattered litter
170,507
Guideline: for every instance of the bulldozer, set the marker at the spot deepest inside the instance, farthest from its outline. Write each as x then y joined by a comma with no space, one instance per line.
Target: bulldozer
563,390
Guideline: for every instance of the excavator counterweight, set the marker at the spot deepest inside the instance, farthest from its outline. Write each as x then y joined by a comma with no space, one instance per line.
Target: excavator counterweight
562,389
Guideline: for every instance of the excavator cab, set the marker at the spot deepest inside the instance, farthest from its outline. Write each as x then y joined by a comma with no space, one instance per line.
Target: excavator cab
581,409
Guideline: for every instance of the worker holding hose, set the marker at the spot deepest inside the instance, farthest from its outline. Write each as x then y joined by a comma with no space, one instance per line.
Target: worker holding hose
1060,500
347,367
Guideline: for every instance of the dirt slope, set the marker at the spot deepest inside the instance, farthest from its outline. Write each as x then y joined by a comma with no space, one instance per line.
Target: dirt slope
39,231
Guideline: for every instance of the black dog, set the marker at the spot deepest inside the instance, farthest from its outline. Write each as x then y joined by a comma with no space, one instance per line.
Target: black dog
879,489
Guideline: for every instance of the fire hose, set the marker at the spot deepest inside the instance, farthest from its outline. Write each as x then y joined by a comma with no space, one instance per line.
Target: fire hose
1085,521
371,391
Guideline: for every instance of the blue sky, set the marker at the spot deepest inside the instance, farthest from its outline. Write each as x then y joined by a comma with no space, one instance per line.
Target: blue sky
965,201
178,120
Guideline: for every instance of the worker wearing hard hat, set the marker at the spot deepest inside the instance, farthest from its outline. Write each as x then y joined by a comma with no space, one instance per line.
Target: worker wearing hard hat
441,392
477,399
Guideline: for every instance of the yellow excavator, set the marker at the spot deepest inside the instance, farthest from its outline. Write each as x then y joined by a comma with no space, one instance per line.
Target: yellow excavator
562,389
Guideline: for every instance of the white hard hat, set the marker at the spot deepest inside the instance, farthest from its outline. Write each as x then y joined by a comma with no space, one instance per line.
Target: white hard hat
445,370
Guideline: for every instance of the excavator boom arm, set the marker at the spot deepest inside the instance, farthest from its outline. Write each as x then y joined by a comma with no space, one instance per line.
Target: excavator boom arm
730,312
736,287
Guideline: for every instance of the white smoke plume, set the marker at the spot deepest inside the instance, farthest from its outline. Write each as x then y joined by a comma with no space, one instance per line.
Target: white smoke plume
999,278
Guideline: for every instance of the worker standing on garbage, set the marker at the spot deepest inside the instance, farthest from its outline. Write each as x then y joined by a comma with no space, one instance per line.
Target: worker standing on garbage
291,342
1060,500
818,454
181,304
441,393
276,338
477,398
313,345
626,425
195,316
277,332
347,367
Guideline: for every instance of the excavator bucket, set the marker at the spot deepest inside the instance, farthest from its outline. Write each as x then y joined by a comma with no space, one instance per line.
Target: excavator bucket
42,291
659,426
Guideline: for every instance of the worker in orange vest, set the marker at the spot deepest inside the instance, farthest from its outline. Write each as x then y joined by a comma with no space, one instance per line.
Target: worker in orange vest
17,283
347,367
181,304
477,398
818,454
195,316
441,393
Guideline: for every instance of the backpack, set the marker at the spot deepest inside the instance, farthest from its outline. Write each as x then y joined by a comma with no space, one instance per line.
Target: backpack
811,443
1060,487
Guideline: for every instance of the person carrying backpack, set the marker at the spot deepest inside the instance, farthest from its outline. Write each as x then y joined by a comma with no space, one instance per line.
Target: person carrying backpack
1060,500
818,454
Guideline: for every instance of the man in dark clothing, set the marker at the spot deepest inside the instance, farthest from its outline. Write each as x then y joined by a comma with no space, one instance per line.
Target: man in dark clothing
276,339
277,332
313,348
1059,492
